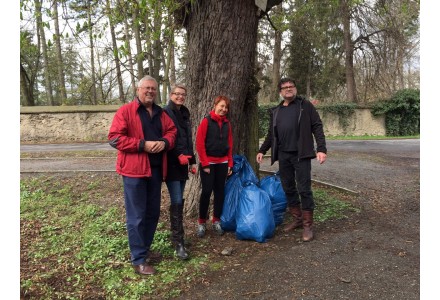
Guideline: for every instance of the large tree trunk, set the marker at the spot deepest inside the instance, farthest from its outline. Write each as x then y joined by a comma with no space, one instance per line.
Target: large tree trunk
115,53
222,37
57,35
40,31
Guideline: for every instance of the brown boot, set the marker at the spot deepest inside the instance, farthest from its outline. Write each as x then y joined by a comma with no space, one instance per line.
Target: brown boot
307,225
297,222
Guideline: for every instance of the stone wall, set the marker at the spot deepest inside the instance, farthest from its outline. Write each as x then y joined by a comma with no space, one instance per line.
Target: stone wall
361,122
69,124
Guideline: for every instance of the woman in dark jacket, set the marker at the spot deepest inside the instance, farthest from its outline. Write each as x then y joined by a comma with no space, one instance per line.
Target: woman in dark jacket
181,160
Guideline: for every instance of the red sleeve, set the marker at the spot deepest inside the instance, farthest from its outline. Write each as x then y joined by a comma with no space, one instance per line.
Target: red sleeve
200,142
118,134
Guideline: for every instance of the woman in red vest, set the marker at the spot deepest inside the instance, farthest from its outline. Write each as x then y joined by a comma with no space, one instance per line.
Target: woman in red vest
214,147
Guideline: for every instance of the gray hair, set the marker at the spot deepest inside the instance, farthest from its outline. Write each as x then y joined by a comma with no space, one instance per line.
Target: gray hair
146,78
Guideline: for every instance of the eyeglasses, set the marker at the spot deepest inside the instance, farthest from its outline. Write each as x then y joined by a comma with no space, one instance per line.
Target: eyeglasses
288,87
179,94
148,88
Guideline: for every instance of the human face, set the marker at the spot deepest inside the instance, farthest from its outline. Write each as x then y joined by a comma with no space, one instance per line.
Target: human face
178,96
288,90
147,92
220,108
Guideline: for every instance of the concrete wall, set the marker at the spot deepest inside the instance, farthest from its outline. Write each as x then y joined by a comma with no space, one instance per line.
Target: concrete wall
66,124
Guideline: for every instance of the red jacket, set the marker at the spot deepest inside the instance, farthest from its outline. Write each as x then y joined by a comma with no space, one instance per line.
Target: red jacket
200,143
126,135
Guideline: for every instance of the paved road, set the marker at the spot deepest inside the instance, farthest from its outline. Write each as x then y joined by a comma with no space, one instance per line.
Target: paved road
341,168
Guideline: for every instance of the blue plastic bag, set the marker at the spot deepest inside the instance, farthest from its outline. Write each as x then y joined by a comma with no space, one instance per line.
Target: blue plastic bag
244,169
232,196
254,215
272,186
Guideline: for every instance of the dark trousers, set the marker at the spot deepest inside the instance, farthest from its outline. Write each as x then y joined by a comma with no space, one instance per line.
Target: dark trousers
296,179
213,182
142,207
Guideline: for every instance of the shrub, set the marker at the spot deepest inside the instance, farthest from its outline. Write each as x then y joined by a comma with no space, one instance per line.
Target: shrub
402,113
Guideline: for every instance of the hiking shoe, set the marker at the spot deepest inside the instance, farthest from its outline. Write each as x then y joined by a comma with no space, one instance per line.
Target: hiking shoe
217,228
201,230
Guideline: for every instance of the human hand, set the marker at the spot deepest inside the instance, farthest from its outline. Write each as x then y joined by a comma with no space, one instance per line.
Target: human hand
184,159
207,170
259,158
229,171
321,157
154,146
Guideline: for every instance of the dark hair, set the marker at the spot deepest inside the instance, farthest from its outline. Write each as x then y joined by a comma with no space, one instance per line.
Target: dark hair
222,98
283,81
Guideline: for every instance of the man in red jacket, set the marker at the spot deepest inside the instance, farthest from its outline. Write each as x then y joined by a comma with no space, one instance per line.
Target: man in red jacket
142,133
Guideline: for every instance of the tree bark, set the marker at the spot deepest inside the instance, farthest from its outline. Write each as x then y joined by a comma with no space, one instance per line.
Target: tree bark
60,68
222,37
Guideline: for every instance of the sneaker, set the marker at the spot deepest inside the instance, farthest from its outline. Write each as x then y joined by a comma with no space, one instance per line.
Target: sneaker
218,228
201,230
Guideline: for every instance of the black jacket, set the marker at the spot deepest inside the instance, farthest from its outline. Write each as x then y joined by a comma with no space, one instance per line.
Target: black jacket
183,145
310,125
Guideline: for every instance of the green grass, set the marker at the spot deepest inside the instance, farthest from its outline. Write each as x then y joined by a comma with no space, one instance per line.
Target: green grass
73,248
75,245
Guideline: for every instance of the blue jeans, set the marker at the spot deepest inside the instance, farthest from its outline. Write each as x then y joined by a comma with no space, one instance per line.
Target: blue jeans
142,208
176,188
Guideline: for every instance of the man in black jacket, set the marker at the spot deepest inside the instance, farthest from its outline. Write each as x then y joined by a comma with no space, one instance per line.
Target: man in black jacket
293,124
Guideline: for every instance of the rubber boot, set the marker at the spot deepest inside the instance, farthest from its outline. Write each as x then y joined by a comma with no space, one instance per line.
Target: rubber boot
176,220
297,221
307,225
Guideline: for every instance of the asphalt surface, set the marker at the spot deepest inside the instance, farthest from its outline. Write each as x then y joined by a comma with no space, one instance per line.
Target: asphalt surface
327,173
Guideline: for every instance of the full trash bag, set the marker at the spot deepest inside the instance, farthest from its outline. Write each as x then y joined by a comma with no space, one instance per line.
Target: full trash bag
272,186
244,169
254,215
232,195
242,173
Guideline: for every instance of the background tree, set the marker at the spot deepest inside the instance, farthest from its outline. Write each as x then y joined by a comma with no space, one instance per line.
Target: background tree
29,64
112,22
62,95
42,34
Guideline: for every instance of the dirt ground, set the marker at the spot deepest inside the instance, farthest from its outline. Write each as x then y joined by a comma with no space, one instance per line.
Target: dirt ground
373,254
